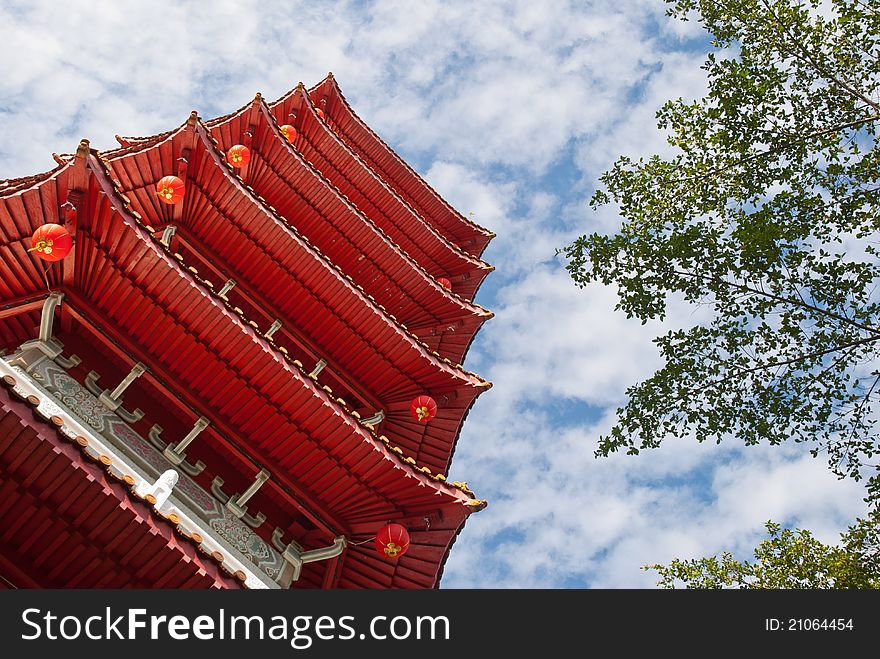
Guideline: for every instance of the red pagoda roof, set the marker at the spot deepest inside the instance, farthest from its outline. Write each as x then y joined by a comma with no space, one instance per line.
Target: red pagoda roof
133,296
338,215
145,296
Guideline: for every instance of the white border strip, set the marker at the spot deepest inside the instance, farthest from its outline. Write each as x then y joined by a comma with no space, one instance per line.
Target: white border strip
121,464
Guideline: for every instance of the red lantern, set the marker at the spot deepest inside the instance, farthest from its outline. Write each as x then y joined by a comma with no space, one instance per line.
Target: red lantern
289,132
423,408
238,155
51,242
320,112
392,541
170,189
444,282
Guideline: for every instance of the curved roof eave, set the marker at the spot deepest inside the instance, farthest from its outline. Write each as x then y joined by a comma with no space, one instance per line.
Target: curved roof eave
101,473
467,225
306,98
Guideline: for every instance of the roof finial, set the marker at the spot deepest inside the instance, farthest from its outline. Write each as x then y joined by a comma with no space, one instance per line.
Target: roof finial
330,75
300,86
82,150
258,97
193,118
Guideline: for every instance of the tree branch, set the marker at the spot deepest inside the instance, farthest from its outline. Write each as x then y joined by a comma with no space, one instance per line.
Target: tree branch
783,362
821,70
782,300
778,149
866,8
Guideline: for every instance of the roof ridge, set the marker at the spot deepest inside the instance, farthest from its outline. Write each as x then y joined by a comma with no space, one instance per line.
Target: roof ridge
218,120
10,186
404,202
487,232
140,143
131,138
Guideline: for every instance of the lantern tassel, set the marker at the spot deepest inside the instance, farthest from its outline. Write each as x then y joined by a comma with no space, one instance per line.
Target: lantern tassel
45,270
40,246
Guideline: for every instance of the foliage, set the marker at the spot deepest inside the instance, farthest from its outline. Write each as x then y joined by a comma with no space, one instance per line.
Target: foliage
788,559
766,214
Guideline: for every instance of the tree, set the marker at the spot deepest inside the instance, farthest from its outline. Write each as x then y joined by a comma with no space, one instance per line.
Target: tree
766,213
788,559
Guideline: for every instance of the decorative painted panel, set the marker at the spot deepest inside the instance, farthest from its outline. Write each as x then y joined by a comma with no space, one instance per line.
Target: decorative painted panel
82,403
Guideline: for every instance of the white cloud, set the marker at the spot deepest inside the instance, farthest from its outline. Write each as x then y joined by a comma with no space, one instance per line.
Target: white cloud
579,521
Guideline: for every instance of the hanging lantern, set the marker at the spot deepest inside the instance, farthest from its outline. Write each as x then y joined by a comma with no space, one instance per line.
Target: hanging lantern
289,132
51,242
238,155
392,541
320,112
444,282
170,189
423,408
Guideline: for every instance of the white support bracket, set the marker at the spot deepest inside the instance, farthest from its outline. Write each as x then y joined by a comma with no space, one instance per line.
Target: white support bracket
318,368
176,454
374,420
45,343
228,286
294,557
167,235
276,325
217,489
237,503
199,426
154,436
47,316
112,400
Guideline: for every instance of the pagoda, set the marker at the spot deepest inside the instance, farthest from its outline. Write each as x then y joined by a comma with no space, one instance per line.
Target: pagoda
243,368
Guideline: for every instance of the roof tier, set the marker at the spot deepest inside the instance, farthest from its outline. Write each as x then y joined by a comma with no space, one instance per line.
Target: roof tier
73,526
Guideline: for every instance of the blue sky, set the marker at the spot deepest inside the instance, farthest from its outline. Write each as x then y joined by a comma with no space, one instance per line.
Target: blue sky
511,110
